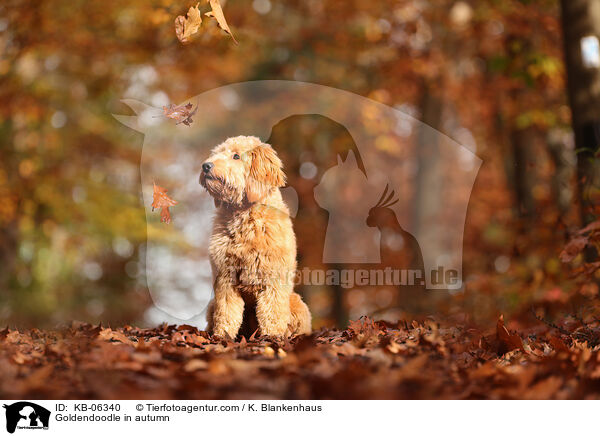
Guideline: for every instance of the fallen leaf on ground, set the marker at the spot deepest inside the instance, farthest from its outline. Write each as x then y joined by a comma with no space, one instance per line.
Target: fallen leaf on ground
591,227
508,341
91,361
114,335
573,248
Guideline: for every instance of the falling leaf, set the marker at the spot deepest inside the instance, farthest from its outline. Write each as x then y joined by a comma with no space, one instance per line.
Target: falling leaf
185,27
182,113
217,14
163,201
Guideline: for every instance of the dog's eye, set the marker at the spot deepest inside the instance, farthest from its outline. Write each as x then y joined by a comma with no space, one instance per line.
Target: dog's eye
236,156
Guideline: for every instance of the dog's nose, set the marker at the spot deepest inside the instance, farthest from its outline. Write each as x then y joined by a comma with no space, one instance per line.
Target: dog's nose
207,166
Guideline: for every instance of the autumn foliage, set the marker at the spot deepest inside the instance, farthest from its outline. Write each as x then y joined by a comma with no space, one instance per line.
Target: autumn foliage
187,26
370,359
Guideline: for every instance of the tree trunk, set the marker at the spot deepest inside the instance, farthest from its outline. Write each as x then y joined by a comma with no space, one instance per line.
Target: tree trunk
581,18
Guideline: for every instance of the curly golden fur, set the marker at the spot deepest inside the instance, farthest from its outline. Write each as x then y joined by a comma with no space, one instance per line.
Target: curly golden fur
252,246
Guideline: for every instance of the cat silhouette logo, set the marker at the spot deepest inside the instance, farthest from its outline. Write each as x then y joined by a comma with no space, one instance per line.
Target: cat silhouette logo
422,178
26,415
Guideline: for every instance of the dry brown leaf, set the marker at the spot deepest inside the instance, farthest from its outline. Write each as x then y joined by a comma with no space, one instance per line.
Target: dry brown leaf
591,227
197,340
186,26
217,14
114,335
20,358
195,365
182,113
394,347
163,201
364,331
508,341
178,337
545,389
573,248
557,343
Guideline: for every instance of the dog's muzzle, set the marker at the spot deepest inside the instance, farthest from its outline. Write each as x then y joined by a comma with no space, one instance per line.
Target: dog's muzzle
205,174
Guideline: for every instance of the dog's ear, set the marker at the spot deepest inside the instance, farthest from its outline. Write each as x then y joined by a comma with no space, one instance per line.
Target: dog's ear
266,173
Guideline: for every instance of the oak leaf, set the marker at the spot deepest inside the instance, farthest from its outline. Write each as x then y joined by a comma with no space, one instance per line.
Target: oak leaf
186,26
163,201
364,331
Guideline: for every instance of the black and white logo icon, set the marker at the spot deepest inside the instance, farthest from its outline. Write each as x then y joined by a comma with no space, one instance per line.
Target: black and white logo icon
26,415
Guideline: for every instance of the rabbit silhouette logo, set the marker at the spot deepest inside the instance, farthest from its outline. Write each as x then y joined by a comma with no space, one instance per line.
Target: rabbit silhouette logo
26,415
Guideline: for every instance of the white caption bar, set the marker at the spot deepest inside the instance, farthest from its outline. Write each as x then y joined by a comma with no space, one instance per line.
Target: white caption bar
158,417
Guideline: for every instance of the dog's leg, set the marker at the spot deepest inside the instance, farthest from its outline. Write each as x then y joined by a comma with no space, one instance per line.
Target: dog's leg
228,312
210,323
273,310
300,323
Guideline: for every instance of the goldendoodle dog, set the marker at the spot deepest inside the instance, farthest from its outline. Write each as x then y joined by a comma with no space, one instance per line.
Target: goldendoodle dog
252,246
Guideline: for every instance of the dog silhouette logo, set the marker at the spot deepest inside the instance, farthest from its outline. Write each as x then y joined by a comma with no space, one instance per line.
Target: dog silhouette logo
26,415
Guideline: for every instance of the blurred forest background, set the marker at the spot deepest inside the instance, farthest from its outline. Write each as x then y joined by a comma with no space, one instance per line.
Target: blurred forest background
490,74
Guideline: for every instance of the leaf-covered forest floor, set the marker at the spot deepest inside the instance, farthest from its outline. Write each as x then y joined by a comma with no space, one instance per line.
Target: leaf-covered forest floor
370,359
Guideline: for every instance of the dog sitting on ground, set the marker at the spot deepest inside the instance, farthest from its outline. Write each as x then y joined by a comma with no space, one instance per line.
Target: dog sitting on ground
252,246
